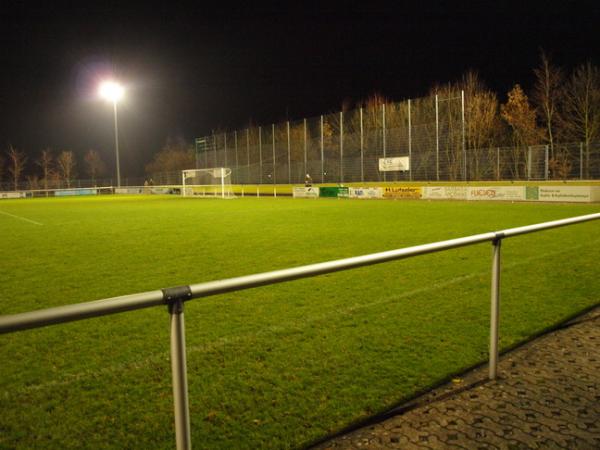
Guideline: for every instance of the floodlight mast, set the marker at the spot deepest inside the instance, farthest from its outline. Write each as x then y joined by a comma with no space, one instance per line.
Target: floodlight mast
113,92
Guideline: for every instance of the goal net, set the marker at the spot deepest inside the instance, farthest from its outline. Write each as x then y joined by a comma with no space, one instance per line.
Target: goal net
215,182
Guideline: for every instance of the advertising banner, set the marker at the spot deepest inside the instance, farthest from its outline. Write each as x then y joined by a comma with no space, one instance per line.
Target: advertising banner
333,191
445,192
129,190
306,192
12,194
402,192
578,194
400,163
371,192
62,193
505,193
162,190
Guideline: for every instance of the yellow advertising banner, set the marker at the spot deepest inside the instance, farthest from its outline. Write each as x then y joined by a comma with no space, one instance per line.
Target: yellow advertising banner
402,192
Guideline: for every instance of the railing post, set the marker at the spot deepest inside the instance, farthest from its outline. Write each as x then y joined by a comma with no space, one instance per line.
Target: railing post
437,139
175,297
495,308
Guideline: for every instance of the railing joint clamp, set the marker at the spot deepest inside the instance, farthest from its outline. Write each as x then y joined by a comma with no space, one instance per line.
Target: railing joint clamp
175,296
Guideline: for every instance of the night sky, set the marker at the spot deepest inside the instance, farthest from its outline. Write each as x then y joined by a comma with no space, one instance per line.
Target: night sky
190,71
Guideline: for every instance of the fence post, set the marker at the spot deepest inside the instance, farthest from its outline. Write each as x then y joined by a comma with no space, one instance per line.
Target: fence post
497,163
495,308
464,146
237,169
273,138
289,154
581,160
437,140
528,163
248,154
225,145
410,163
260,155
546,162
214,140
362,148
179,374
322,153
383,136
305,150
341,146
206,156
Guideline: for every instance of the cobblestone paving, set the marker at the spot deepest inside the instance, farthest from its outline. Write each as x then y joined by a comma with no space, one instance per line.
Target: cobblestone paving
547,396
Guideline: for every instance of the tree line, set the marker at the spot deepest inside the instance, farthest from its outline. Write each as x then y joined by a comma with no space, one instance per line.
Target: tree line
53,170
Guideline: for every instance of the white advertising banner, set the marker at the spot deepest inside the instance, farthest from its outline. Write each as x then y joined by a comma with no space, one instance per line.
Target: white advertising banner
161,190
371,192
306,192
445,192
12,194
505,193
580,194
400,163
129,190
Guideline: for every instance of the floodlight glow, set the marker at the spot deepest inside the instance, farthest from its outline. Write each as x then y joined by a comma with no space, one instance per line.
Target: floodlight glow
111,90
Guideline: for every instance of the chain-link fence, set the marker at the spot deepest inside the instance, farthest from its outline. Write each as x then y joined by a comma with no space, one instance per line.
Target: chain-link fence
347,146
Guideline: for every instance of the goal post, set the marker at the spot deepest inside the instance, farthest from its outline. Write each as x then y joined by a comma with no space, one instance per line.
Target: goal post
214,182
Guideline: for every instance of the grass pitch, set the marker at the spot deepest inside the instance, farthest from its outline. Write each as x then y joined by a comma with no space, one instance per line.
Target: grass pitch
271,367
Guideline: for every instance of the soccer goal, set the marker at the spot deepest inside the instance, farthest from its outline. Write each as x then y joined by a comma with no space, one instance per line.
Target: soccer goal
215,182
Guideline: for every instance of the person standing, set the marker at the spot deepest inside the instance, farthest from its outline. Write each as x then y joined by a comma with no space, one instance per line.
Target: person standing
307,180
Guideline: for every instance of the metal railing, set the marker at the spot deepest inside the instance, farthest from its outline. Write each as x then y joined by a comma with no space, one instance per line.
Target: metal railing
176,296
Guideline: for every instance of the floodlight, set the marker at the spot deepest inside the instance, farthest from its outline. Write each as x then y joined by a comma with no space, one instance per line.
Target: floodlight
111,90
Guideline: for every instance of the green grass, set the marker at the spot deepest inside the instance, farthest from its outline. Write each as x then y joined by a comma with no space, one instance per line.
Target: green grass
271,367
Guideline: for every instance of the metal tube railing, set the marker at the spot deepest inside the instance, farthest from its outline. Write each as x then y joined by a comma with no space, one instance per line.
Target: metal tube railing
495,309
175,298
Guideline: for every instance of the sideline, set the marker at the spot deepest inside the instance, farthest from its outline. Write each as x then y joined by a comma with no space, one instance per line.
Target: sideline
21,218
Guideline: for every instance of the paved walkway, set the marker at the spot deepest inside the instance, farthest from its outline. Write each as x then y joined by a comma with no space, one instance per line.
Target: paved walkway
547,396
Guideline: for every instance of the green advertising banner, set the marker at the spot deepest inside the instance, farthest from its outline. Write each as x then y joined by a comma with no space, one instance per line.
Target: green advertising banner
334,191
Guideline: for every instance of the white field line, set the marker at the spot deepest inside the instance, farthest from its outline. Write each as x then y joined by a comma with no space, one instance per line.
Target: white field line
164,357
21,218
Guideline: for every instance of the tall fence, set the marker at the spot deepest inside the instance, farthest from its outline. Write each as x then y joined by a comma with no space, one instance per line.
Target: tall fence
346,147
434,132
175,298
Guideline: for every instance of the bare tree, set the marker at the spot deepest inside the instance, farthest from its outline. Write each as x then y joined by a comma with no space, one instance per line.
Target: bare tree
94,164
46,163
33,181
66,166
521,118
546,97
174,156
16,165
482,122
581,108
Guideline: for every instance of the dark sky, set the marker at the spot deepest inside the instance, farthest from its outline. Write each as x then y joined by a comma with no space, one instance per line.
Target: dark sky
190,71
